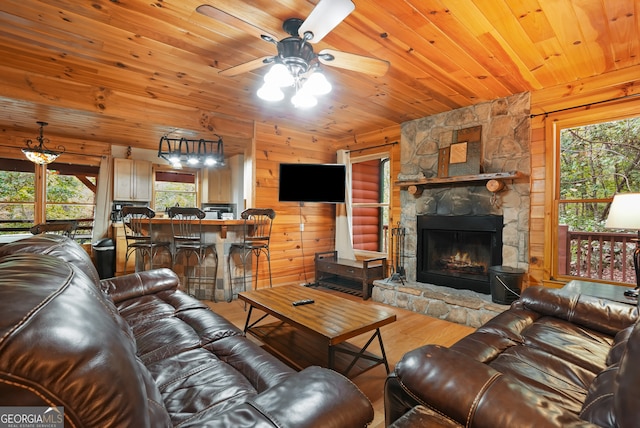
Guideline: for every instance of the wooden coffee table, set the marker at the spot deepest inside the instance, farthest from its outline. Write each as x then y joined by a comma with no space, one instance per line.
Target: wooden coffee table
316,333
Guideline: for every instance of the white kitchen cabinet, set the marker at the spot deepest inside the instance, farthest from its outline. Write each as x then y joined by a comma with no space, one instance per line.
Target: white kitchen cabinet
132,180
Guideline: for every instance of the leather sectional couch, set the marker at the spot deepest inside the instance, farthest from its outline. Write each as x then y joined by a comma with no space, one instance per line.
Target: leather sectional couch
553,359
134,351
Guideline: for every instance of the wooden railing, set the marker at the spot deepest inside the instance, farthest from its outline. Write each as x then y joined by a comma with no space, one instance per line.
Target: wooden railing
82,233
596,255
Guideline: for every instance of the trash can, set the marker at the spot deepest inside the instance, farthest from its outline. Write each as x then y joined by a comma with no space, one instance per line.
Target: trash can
505,284
105,256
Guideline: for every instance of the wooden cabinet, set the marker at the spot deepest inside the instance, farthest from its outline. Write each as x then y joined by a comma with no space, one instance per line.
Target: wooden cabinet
349,276
132,180
218,187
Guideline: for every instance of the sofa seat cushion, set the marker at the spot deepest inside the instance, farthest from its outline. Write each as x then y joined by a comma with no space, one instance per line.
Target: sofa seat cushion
201,362
196,381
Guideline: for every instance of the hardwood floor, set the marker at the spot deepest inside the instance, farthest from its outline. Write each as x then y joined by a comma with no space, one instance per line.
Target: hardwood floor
410,331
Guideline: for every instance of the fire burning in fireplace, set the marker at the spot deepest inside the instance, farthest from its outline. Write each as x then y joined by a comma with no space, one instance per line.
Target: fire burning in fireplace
462,262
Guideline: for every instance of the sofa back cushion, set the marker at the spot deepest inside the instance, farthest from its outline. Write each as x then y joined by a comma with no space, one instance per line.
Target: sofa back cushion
61,346
56,245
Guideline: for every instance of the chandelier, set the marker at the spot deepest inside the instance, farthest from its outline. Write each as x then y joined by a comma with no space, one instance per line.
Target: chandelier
193,153
39,153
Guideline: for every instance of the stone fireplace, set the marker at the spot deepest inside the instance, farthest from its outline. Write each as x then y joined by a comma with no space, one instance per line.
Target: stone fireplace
457,251
505,147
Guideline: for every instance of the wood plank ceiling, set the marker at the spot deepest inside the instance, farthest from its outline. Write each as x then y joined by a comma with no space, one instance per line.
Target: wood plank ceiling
129,71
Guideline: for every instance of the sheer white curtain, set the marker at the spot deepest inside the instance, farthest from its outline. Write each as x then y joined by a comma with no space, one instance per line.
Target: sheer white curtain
344,244
103,203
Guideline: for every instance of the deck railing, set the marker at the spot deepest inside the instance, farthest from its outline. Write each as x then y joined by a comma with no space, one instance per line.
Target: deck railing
596,255
82,232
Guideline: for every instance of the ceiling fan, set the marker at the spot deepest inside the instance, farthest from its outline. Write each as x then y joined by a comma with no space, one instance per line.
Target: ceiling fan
295,52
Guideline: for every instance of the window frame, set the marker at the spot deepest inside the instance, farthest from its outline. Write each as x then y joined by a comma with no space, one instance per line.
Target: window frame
555,124
383,234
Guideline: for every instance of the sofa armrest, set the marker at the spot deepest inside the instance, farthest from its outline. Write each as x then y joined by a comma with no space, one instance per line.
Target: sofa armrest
605,316
139,284
314,397
471,392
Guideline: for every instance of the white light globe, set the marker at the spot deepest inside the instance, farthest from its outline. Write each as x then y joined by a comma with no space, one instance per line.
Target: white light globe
270,93
279,75
317,84
304,99
209,161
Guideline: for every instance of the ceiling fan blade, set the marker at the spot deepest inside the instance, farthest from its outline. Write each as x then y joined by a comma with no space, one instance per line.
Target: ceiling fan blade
324,18
365,64
232,21
246,66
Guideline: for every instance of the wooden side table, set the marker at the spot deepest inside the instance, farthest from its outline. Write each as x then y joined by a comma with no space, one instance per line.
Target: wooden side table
349,276
601,290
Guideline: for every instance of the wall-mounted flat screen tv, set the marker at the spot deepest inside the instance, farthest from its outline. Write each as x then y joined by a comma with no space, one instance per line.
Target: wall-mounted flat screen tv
306,182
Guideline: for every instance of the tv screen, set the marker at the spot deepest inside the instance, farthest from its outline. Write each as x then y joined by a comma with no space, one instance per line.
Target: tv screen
306,182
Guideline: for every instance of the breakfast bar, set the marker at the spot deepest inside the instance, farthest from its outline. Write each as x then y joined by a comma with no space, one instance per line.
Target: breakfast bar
222,233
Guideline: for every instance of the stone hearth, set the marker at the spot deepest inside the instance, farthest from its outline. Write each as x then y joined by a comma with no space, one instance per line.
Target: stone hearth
460,306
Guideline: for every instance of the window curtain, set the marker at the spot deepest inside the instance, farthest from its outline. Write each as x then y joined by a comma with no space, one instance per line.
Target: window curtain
344,245
103,203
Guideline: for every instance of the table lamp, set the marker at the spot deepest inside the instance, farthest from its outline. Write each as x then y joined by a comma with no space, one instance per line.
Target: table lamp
624,213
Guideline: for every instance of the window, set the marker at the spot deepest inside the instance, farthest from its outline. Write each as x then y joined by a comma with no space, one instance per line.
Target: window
17,195
596,160
70,195
370,178
173,188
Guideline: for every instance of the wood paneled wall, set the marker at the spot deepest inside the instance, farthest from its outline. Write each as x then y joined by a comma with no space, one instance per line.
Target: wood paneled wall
293,250
587,98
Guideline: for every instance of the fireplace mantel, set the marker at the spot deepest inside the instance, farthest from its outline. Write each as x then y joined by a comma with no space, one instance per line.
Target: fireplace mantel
414,186
511,175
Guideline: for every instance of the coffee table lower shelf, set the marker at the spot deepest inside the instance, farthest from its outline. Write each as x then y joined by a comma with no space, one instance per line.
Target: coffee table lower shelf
300,349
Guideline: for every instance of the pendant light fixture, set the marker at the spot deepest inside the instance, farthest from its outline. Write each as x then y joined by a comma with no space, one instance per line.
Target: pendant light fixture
39,153
193,153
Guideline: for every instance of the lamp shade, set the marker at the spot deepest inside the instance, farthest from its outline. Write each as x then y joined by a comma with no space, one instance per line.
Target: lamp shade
624,212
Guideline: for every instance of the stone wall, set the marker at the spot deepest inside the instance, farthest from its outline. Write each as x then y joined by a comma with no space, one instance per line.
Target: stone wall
505,147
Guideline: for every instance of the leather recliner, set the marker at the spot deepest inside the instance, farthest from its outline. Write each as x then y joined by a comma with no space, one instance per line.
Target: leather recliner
553,359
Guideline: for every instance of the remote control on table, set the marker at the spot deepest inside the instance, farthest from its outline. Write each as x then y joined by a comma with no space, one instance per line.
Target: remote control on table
302,302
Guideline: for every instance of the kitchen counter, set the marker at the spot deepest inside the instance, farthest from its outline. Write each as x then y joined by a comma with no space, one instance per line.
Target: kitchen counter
207,223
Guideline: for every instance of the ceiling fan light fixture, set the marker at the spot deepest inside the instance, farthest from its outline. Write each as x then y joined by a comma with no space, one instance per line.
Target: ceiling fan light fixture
279,75
317,84
304,99
270,92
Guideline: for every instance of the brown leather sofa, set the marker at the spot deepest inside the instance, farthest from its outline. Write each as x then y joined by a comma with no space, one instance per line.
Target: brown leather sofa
134,351
553,359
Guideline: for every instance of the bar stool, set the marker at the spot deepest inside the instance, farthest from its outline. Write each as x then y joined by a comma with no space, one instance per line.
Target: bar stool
138,232
256,234
188,240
